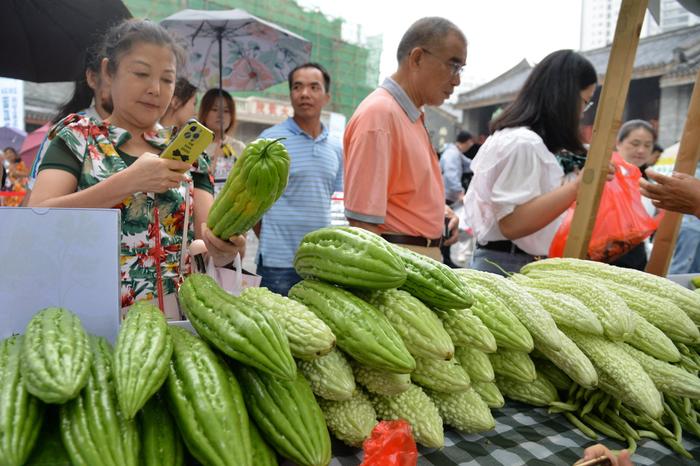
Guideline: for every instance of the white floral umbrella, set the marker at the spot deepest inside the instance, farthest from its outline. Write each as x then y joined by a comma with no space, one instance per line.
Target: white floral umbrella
232,49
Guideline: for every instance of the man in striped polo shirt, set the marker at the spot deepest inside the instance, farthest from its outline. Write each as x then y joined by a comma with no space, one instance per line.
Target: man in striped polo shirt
316,172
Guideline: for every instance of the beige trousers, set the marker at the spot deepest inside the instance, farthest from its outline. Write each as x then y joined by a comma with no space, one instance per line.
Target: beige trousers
433,253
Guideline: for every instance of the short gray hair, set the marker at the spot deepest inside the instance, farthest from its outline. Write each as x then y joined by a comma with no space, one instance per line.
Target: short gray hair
426,32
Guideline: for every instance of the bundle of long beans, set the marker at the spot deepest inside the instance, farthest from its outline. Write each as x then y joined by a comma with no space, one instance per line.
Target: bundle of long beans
593,411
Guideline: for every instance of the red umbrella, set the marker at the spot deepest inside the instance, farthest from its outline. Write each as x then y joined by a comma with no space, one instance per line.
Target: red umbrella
31,144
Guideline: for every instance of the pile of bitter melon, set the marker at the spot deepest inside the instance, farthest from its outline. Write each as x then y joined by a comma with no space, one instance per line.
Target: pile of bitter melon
265,375
613,349
373,332
161,391
403,332
627,360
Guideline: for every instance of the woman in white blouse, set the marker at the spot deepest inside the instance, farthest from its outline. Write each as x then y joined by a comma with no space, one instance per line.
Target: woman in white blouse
517,195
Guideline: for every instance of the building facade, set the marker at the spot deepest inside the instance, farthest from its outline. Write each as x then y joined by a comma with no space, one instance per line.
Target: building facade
599,18
675,16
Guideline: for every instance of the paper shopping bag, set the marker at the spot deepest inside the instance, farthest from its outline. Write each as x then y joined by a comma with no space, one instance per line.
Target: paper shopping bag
233,280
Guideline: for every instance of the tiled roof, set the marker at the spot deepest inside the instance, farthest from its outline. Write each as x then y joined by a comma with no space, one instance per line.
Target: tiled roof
499,89
659,52
42,100
675,52
687,69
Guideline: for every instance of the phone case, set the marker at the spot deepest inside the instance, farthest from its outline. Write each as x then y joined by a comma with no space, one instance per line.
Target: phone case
189,143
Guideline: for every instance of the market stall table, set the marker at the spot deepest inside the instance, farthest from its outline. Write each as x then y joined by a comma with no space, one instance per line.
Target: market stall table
526,435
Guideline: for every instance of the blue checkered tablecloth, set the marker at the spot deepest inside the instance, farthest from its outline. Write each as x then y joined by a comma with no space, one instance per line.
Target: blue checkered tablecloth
525,435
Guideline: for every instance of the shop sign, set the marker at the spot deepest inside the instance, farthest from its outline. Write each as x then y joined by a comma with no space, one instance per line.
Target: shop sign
12,103
262,107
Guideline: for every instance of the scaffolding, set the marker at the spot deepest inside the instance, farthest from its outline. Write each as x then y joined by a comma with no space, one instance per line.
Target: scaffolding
353,66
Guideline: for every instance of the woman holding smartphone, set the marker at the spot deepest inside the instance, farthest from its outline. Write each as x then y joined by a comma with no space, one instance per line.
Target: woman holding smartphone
116,164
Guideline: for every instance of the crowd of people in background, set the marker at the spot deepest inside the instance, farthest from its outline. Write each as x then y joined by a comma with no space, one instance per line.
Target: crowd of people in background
512,190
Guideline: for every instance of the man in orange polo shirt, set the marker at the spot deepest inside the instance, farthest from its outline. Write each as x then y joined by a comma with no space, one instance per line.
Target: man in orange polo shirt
393,184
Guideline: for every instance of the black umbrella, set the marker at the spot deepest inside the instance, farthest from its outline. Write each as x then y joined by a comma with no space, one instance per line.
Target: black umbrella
46,40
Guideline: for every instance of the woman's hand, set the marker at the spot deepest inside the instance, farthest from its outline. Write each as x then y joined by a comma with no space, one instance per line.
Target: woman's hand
609,174
153,174
223,252
598,450
612,168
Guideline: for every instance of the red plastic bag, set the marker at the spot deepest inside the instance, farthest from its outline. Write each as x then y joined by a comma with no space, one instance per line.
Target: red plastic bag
391,444
622,221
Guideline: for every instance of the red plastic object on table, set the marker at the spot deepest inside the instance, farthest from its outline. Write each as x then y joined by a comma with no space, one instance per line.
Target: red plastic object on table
391,444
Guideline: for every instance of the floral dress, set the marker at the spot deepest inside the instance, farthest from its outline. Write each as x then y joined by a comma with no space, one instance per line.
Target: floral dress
151,224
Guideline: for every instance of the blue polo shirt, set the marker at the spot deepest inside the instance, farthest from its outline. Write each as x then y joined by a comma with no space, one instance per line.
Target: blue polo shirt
315,173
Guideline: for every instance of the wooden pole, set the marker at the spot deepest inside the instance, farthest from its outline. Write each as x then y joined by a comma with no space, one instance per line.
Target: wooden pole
686,161
607,122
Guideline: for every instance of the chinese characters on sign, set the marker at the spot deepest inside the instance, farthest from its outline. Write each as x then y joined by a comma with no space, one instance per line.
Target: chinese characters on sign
12,103
273,108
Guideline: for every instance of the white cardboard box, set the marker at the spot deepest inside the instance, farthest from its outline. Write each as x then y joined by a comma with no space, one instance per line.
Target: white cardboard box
683,279
60,257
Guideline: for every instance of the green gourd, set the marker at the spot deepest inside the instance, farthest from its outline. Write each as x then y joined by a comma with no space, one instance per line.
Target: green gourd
55,357
21,414
141,357
257,180
206,401
351,257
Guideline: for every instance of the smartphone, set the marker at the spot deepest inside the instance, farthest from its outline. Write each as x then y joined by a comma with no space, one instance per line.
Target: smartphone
192,139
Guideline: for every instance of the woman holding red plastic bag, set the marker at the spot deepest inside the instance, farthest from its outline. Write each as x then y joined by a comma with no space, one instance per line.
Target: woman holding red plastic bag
518,195
622,222
635,143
